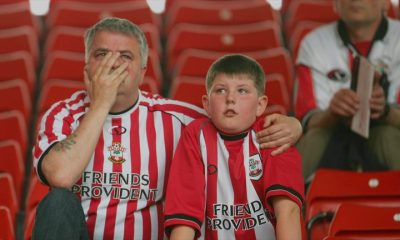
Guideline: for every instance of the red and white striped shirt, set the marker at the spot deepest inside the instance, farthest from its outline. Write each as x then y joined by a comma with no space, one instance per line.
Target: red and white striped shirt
221,185
122,187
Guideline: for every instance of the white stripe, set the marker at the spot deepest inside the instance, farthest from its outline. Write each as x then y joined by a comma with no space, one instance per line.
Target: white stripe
203,149
160,151
107,167
265,230
225,193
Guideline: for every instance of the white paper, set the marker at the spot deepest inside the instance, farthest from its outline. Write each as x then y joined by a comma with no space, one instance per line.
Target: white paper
360,121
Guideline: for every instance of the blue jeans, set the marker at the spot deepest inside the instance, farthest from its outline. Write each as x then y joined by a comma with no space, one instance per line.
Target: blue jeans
60,216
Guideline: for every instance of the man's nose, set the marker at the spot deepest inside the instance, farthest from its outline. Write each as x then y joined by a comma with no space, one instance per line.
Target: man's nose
117,63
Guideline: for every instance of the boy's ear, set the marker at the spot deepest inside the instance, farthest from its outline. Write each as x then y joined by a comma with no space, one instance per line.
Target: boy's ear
206,102
262,105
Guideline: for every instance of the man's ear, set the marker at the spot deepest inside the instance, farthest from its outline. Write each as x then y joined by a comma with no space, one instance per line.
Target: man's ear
262,105
205,102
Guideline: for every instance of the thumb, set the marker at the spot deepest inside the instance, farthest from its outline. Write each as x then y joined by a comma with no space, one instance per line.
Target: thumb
270,119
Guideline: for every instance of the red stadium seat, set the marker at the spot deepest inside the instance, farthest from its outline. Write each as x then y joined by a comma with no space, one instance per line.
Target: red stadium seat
359,221
36,193
65,38
188,89
300,31
308,10
277,92
13,127
70,65
8,197
20,39
220,13
28,225
18,65
239,38
85,14
6,224
12,162
55,90
18,14
193,62
14,95
373,188
149,84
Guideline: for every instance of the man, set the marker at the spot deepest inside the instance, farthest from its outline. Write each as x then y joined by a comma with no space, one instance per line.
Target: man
112,144
325,102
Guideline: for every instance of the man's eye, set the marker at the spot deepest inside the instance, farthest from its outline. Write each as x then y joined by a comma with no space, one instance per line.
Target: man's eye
127,57
101,54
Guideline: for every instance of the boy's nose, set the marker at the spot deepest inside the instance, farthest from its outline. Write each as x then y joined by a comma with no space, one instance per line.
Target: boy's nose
230,97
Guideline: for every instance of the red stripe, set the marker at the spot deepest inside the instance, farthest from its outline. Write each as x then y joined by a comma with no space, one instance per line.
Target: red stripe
129,228
173,107
160,214
113,204
153,173
94,202
305,100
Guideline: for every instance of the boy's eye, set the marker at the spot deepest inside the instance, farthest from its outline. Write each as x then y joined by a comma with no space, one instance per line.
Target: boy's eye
243,91
220,90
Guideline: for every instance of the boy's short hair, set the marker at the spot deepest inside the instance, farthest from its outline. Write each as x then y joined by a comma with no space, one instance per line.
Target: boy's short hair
118,25
234,64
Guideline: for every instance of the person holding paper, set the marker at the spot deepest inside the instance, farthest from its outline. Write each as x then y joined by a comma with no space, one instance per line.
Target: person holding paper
325,101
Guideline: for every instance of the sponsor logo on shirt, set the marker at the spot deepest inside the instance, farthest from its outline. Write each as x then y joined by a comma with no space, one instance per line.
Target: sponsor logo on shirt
255,167
338,75
116,153
117,130
236,217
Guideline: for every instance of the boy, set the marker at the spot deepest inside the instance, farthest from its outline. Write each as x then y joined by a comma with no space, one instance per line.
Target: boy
221,184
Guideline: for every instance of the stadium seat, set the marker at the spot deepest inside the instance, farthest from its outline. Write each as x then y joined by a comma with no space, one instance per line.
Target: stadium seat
36,193
28,224
20,39
14,95
18,14
219,13
149,85
308,10
194,62
12,162
55,90
70,65
13,127
359,221
85,14
8,197
188,89
6,224
277,92
238,38
18,65
71,39
373,188
300,31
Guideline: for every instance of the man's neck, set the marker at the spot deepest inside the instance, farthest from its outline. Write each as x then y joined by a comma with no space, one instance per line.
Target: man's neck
362,33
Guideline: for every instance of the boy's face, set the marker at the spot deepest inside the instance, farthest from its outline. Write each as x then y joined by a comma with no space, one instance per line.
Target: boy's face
233,103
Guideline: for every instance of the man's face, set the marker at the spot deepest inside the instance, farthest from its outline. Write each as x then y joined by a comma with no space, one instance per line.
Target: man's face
128,47
361,12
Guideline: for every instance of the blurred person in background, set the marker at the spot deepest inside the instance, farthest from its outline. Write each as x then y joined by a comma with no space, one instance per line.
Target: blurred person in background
325,101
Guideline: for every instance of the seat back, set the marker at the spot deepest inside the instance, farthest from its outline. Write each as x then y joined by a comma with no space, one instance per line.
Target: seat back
366,222
331,187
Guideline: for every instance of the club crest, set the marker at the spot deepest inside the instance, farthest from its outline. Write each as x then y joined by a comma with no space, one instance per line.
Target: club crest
116,153
255,167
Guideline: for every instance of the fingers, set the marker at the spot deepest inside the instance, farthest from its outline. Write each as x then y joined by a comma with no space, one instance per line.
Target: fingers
279,150
344,103
269,119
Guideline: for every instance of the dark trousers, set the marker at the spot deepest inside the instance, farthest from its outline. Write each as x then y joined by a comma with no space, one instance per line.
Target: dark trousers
60,216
